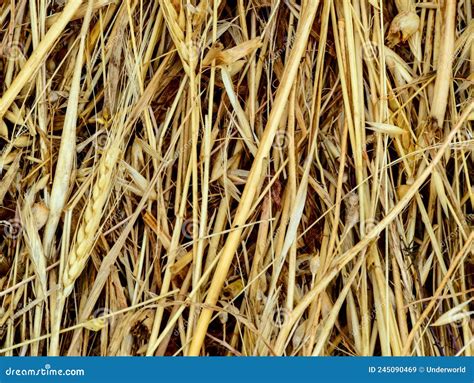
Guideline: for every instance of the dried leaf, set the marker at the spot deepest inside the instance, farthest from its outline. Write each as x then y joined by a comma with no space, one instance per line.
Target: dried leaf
403,26
389,129
455,314
231,55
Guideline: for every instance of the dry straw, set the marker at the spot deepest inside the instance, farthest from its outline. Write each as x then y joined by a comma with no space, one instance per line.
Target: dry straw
258,177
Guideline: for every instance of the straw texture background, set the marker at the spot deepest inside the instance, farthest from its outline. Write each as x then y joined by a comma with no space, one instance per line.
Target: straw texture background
262,177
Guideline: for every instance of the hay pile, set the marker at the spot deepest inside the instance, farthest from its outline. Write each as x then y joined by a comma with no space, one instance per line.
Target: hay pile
263,177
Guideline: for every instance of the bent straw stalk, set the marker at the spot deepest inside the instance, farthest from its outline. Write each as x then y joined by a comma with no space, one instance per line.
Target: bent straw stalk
38,56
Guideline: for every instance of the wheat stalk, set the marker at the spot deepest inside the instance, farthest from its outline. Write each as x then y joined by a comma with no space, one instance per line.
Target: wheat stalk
66,156
176,26
78,256
90,222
